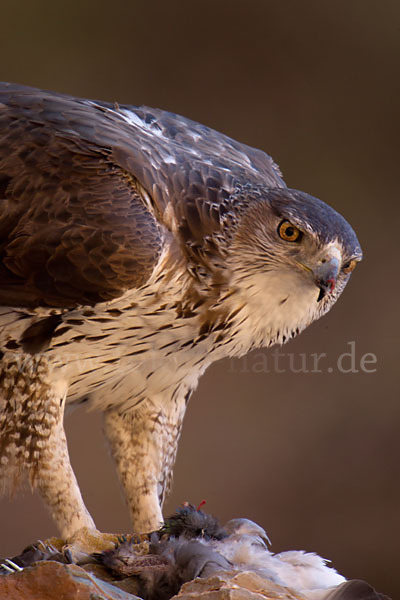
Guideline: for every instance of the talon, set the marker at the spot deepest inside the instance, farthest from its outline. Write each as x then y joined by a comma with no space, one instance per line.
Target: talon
12,564
68,555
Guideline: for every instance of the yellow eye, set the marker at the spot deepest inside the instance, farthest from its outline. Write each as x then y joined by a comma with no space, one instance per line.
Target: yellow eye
349,266
289,232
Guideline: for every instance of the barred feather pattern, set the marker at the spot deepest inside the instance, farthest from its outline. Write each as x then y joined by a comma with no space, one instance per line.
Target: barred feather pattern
33,442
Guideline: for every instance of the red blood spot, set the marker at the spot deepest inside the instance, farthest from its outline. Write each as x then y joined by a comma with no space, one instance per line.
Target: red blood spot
202,503
332,284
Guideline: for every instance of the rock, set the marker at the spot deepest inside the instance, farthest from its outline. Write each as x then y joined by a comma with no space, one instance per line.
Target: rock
49,580
234,585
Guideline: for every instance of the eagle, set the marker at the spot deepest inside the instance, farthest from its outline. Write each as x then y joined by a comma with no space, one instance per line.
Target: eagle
137,247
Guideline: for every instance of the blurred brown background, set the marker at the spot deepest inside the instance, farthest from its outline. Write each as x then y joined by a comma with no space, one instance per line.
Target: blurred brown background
313,457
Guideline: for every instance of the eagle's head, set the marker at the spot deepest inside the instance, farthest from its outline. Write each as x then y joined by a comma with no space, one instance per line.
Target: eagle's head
290,257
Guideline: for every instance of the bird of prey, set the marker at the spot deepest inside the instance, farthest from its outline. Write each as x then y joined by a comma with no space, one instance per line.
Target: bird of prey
137,247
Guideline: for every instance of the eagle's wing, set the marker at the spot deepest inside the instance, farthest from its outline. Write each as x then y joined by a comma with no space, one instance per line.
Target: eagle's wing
210,152
73,227
87,190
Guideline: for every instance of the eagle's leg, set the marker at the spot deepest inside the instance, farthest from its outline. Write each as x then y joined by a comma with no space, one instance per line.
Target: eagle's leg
143,442
33,442
58,486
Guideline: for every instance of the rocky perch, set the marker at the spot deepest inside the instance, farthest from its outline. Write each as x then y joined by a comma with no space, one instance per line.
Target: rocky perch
50,580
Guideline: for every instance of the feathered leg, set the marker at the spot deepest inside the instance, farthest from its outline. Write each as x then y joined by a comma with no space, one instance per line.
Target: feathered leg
143,442
33,442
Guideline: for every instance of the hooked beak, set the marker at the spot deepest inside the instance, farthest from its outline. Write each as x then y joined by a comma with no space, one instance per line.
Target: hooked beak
325,274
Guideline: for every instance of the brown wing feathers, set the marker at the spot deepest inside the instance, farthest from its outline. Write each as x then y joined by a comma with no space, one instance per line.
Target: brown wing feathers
73,230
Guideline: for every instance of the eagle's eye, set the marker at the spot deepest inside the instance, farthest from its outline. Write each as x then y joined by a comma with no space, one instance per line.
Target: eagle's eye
289,232
349,266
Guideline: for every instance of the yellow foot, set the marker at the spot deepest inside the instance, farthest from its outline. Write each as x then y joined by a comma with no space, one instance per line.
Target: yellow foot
79,547
91,540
